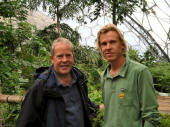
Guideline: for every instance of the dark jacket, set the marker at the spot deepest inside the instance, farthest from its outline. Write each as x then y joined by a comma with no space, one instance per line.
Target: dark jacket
34,105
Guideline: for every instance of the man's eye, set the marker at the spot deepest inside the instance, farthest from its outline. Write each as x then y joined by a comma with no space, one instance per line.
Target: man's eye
60,56
112,42
103,44
68,56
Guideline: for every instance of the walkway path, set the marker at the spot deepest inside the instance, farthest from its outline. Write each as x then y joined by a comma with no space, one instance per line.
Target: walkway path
164,104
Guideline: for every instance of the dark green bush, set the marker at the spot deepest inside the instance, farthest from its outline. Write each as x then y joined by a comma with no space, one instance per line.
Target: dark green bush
161,76
165,120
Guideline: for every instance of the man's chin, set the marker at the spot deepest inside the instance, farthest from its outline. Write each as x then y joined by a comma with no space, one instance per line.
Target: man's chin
110,59
65,71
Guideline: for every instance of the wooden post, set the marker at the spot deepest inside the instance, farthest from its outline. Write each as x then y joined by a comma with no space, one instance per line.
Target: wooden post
10,98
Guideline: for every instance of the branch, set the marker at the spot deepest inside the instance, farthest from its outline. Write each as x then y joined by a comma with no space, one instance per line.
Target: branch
166,57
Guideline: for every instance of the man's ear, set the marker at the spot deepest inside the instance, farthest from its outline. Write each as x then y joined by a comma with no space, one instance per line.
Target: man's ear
73,54
51,58
123,46
123,49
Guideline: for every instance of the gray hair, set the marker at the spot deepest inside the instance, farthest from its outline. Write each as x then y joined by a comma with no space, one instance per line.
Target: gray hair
60,40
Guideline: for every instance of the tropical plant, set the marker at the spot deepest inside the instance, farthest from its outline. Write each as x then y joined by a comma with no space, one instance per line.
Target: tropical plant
148,58
134,54
165,120
10,73
58,9
7,38
48,34
160,72
9,114
11,11
24,32
16,9
87,55
116,9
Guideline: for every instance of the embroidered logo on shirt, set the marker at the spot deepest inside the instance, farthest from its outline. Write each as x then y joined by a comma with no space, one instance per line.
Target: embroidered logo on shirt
121,95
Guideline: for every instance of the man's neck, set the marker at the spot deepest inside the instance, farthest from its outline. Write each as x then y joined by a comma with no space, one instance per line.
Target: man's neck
117,65
65,79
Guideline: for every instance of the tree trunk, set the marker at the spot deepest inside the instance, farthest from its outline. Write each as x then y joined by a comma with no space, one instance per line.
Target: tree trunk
114,20
58,22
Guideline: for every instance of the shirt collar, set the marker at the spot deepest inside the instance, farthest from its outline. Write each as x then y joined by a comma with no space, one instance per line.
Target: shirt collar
122,72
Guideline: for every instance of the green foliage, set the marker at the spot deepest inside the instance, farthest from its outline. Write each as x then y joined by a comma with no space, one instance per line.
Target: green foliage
117,9
17,68
10,73
148,58
14,38
94,90
63,9
8,113
58,9
134,54
92,74
165,120
69,33
13,9
98,121
160,72
7,38
24,32
87,55
48,34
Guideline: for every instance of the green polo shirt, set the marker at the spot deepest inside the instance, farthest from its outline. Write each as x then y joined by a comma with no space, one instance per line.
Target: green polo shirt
129,97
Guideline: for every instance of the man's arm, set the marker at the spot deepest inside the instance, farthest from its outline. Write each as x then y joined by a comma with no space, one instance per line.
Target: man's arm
148,100
31,109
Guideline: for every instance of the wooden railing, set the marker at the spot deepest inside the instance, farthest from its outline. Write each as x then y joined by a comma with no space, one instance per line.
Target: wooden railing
10,98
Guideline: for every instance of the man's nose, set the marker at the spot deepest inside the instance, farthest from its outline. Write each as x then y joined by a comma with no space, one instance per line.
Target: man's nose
64,58
108,46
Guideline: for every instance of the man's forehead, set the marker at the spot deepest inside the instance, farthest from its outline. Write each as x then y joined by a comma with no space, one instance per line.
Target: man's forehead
60,47
59,44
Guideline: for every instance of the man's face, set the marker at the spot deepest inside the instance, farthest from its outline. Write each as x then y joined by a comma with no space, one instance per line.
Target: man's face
110,46
62,59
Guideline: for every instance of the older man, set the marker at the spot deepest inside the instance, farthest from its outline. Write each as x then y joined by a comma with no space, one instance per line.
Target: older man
128,93
58,98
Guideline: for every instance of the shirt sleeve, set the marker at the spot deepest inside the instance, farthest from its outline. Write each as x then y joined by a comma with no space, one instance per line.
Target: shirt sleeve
30,112
102,83
148,100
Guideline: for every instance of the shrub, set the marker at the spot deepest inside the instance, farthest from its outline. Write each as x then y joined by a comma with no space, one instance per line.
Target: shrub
165,120
160,72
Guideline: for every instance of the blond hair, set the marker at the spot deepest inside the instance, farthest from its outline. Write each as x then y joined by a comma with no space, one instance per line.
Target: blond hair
60,40
107,28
